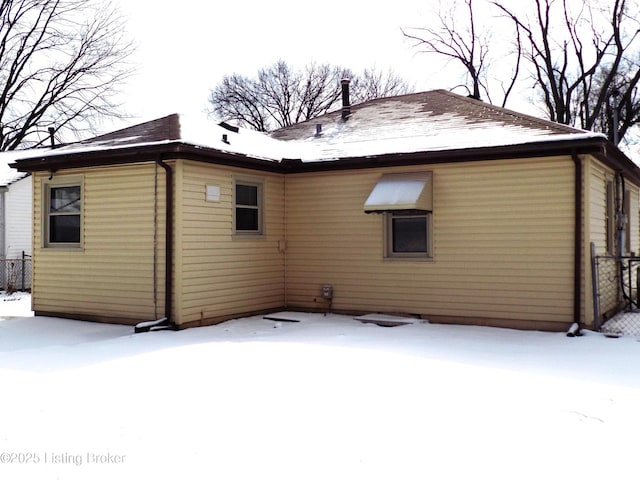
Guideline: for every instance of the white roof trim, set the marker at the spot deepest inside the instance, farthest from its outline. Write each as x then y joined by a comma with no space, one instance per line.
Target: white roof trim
401,191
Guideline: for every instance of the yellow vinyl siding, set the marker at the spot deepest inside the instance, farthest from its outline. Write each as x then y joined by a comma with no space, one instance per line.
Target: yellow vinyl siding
609,289
112,274
503,243
599,175
596,178
631,209
223,273
502,234
597,205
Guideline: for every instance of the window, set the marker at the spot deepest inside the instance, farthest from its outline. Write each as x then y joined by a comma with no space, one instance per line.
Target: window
408,234
627,222
63,218
248,207
406,201
609,217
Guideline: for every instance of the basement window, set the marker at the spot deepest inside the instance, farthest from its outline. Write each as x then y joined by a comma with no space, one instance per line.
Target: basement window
63,215
407,234
406,201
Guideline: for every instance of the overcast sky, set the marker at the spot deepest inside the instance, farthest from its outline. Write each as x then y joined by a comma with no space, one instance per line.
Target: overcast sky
184,48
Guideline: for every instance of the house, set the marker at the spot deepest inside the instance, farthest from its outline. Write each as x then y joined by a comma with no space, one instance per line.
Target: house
15,224
430,204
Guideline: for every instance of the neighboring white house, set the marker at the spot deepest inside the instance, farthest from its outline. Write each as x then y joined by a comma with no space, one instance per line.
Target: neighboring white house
16,198
17,234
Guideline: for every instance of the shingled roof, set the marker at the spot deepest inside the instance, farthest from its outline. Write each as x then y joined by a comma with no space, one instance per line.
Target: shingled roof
173,136
158,130
421,122
195,130
417,128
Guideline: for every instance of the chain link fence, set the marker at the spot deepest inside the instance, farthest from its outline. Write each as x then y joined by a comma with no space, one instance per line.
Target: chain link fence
607,297
624,323
15,273
616,288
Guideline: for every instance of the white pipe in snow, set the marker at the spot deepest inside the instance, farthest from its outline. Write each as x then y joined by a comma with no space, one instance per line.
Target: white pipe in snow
574,330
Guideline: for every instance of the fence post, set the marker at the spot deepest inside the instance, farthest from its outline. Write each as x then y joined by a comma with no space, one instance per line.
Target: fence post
638,286
22,282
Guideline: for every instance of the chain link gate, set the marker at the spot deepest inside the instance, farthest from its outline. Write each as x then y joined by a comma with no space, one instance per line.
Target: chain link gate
616,288
15,273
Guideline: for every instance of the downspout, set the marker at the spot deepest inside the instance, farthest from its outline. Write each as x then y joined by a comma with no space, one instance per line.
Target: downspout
577,247
165,322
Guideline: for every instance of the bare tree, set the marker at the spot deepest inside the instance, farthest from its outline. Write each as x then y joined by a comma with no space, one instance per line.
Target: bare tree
318,90
61,62
281,95
457,37
373,83
585,68
583,57
621,109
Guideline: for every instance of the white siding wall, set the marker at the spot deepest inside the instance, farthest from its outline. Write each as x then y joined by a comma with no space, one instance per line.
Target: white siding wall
18,218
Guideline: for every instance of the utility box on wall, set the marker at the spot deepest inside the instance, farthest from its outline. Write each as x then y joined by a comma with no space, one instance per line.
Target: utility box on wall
327,292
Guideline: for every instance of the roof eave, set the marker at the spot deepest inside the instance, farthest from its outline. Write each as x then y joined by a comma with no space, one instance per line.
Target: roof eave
141,154
594,145
597,146
614,158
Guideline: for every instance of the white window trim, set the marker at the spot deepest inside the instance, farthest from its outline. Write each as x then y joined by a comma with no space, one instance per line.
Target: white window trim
260,184
45,190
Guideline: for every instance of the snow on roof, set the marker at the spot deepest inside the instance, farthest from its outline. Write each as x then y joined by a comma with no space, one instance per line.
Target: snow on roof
451,132
202,132
10,175
192,129
421,122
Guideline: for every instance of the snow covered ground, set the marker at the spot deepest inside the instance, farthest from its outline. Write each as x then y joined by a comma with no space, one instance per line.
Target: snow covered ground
327,397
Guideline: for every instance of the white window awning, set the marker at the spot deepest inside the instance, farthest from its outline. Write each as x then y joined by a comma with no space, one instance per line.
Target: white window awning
401,191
